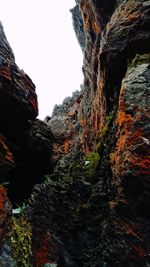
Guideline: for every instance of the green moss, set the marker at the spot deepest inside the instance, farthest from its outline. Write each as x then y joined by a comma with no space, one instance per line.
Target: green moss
91,162
138,60
103,132
76,168
19,239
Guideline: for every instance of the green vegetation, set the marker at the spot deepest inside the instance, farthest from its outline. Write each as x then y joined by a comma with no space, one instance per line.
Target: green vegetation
19,239
103,132
91,163
139,60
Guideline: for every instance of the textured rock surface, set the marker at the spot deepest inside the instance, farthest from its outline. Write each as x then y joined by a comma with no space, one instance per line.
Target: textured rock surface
112,119
17,92
114,33
6,159
78,25
6,259
66,130
94,209
5,212
25,143
132,154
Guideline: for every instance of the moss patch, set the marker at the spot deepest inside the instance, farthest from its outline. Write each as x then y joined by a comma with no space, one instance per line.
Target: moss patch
91,163
103,132
139,60
19,239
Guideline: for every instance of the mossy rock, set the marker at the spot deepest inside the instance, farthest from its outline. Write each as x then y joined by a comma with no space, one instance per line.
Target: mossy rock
104,132
91,163
139,60
19,238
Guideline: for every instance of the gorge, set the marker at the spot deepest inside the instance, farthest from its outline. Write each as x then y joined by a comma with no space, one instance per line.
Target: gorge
81,176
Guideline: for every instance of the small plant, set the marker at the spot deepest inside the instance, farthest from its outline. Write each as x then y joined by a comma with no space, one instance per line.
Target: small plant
19,239
91,163
103,132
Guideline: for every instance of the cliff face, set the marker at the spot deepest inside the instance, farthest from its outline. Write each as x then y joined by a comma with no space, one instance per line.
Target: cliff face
106,128
24,140
114,33
93,210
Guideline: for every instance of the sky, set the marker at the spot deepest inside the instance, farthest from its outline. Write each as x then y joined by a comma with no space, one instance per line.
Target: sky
41,35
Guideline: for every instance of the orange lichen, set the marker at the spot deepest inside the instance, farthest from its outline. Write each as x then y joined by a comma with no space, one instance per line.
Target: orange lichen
66,146
133,16
128,138
126,11
132,232
42,252
142,164
6,154
140,250
114,203
89,19
96,27
34,104
124,118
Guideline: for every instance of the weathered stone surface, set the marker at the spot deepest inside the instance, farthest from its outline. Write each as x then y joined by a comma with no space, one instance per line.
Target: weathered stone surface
5,212
116,89
38,138
6,259
131,157
6,159
18,97
58,232
5,49
66,130
78,25
18,100
44,248
25,142
114,33
32,158
94,209
127,33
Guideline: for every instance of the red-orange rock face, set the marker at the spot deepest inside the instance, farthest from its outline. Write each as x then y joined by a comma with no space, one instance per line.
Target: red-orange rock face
116,81
96,213
5,212
114,33
132,154
19,89
24,141
6,158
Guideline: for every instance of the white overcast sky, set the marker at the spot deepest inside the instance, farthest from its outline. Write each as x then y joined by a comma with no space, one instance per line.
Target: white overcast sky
41,35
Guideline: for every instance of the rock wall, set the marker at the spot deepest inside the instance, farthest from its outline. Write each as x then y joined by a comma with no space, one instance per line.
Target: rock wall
93,210
115,31
110,119
24,140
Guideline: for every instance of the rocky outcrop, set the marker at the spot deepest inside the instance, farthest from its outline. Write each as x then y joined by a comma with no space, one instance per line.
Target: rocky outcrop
112,137
131,156
66,130
24,141
115,33
25,146
78,25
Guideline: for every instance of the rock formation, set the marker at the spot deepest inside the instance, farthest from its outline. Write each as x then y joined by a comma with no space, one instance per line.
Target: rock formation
24,140
93,209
